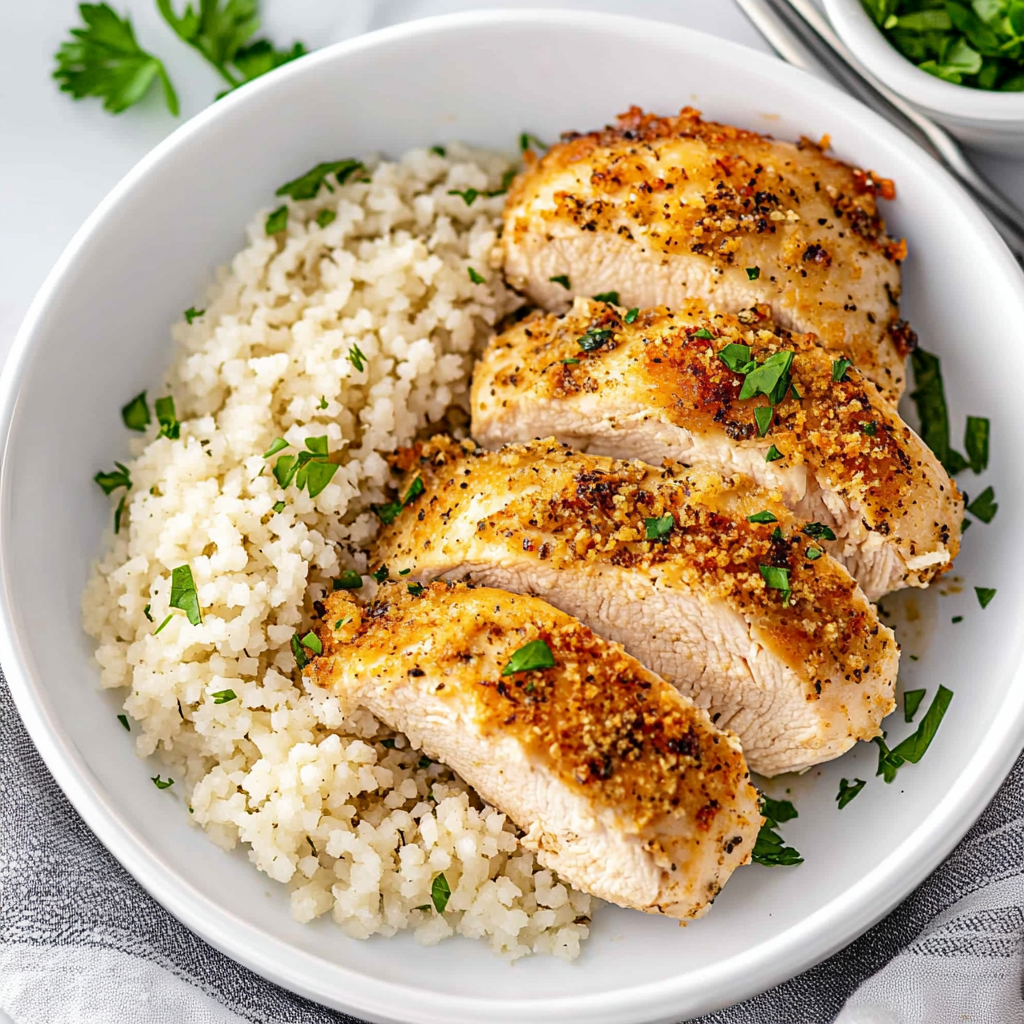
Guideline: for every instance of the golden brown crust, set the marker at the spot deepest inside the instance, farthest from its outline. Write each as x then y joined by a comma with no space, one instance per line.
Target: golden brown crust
844,431
602,724
567,509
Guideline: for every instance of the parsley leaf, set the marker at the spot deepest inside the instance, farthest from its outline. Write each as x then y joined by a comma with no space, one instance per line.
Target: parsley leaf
753,273
123,719
416,488
658,528
357,358
224,696
772,454
114,478
167,418
976,436
737,358
762,517
530,657
159,629
913,748
325,217
848,790
307,185
440,893
777,579
415,589
312,642
984,505
612,297
469,195
570,362
136,413
184,595
474,276
929,397
704,334
763,415
279,507
594,338
985,595
380,574
277,220
632,314
279,444
299,652
562,279
528,141
818,531
439,150
839,368
911,702
770,848
348,580
813,554
771,378
162,783
103,59
193,314
388,512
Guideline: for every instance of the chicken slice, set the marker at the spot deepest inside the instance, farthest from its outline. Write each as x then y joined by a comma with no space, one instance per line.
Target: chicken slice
661,209
622,786
657,388
799,674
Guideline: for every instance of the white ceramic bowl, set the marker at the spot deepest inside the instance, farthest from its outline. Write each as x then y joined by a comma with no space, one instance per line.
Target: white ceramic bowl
979,117
98,333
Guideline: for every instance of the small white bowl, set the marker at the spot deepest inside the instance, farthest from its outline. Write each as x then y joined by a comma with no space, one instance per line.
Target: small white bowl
979,117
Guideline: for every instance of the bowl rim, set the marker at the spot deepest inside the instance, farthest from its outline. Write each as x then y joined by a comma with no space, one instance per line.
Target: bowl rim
869,44
720,984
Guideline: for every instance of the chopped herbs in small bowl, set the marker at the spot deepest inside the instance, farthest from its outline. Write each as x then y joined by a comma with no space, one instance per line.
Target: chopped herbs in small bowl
961,62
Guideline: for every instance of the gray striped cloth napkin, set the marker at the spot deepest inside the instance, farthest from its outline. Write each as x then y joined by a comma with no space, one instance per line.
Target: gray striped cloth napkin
82,943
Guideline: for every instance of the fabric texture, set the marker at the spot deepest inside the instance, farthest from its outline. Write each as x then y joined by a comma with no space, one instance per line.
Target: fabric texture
82,943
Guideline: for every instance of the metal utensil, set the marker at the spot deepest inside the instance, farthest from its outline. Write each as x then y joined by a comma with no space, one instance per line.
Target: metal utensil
803,37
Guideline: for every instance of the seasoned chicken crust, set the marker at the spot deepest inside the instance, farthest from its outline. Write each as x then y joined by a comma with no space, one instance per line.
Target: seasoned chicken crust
657,388
661,209
621,784
799,681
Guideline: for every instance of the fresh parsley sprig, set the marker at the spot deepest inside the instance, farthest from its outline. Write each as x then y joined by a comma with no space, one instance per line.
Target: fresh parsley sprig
104,59
914,747
770,848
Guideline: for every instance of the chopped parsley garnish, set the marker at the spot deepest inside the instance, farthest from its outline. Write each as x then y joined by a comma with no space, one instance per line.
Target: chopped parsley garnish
594,338
123,719
184,595
357,358
159,629
704,334
469,195
777,579
562,279
439,150
312,642
224,696
632,314
279,506
146,612
839,368
763,415
388,512
956,619
813,554
770,378
278,445
348,580
913,748
929,396
119,512
870,428
111,480
530,657
277,221
527,141
380,575
753,273
325,217
772,454
770,848
612,297
416,488
474,276
167,418
506,180
985,595
162,783
312,847
404,572
976,442
103,59
311,470
762,517
737,358
658,528
984,505
818,531
193,314
440,893
424,762
415,589
848,790
911,702
323,402
299,652
570,362
388,742
136,413
341,622
307,185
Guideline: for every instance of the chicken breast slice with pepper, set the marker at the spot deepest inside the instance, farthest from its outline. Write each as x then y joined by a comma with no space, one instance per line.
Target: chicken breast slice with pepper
657,384
621,785
661,209
750,619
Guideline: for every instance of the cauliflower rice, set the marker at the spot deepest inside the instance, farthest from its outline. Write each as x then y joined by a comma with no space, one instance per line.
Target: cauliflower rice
328,800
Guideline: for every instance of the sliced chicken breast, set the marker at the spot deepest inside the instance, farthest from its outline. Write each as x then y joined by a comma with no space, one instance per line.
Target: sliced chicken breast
657,387
751,620
622,786
661,209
